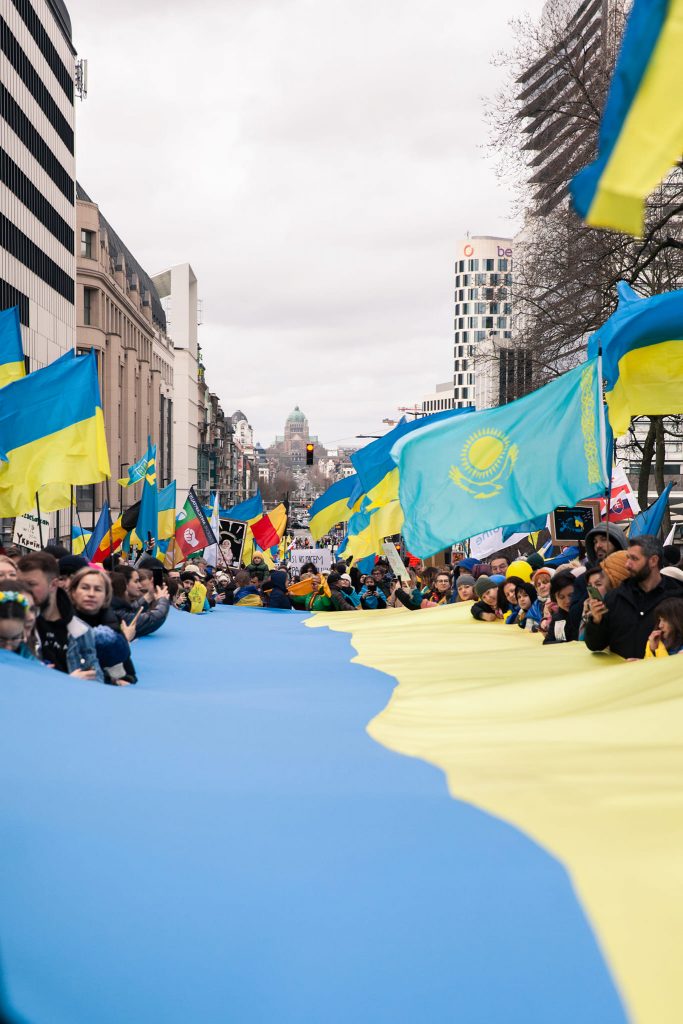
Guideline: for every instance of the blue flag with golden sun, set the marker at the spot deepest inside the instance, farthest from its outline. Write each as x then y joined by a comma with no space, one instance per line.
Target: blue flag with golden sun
501,466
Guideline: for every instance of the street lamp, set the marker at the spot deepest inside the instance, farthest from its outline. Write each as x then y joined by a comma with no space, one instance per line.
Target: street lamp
124,465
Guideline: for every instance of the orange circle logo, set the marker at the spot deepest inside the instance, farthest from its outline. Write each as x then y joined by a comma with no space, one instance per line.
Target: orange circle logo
469,250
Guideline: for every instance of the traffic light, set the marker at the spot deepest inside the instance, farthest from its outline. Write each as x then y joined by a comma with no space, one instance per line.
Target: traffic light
310,448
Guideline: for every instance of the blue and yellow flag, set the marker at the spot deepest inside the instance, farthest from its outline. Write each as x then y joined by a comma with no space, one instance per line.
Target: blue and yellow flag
501,466
51,432
368,530
12,366
166,510
252,508
332,507
641,134
136,472
376,471
148,517
642,356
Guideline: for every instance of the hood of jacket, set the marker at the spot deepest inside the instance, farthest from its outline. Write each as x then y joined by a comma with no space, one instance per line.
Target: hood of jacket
279,580
615,535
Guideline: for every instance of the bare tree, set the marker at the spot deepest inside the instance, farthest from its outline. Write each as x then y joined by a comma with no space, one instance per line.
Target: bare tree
544,126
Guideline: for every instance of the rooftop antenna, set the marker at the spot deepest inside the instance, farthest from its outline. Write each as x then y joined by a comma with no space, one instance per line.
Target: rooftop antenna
81,82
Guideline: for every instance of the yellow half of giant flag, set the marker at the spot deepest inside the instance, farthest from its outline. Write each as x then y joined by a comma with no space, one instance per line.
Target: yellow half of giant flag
580,751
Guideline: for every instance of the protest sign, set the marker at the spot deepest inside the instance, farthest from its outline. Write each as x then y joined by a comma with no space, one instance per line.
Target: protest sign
321,558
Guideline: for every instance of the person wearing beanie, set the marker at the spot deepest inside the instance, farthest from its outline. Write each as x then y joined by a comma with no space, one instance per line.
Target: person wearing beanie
485,608
69,565
541,579
465,587
530,609
346,589
536,561
614,567
521,569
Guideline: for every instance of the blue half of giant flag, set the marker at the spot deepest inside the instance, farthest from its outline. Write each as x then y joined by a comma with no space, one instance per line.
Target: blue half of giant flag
51,431
102,528
331,507
641,133
246,510
376,471
642,356
148,517
501,466
651,518
12,366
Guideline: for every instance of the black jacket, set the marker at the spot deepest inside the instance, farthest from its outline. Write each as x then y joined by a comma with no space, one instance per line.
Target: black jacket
630,618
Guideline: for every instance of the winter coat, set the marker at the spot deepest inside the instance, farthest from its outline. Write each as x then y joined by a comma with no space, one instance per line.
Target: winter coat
67,642
259,569
151,618
108,617
479,608
278,596
630,618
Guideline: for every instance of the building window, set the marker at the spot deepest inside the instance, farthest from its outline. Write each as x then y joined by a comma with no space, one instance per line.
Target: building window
502,264
89,295
473,265
87,242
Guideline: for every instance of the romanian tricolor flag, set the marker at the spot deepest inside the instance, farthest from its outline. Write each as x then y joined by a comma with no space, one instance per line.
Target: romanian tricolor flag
332,507
641,135
12,366
51,431
105,539
642,356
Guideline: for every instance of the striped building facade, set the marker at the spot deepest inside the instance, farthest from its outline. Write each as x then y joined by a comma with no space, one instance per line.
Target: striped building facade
37,174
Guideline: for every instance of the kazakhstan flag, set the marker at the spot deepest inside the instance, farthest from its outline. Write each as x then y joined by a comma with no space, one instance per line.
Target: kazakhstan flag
501,466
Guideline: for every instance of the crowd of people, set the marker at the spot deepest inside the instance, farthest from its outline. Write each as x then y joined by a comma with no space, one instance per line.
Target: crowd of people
75,617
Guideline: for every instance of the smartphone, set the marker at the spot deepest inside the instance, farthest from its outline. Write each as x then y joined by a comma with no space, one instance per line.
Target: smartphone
594,593
158,576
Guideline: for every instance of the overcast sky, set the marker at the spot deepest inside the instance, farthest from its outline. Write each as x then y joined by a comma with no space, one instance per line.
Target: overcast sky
315,161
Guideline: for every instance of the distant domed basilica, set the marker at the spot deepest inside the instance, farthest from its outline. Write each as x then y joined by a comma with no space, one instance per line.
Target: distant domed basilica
290,449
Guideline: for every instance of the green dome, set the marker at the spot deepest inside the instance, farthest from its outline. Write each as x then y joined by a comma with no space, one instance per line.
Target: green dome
297,416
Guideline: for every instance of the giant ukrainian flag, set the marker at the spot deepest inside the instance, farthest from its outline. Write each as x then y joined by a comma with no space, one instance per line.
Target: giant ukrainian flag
641,134
12,366
51,432
642,356
500,466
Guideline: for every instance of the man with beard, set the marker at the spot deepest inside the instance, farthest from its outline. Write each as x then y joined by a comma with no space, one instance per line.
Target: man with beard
624,619
66,643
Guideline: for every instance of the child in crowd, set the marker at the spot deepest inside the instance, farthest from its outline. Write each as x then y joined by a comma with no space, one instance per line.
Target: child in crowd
485,608
560,629
14,612
667,637
530,611
542,579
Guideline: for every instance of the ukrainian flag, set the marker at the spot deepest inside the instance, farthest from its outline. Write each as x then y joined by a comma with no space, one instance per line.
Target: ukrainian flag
369,528
166,512
51,431
377,472
137,471
641,135
12,366
642,356
332,507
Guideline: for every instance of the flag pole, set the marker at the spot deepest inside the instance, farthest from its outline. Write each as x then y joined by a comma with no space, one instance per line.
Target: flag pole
111,528
603,444
40,525
71,521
